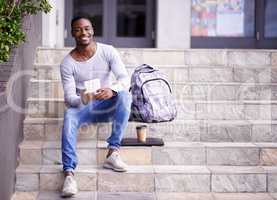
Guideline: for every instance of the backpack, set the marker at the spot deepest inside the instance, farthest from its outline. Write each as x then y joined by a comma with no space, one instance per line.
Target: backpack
152,96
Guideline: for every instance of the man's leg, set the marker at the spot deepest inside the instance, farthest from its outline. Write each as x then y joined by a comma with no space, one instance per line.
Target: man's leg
96,111
120,119
116,109
69,157
69,139
73,118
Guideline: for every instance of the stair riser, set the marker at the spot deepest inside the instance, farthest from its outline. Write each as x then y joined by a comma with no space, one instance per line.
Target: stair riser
148,182
129,56
53,156
187,110
175,131
53,181
235,156
176,57
181,92
174,74
190,74
92,195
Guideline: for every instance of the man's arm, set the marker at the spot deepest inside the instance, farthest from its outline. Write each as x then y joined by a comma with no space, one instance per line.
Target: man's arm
119,70
69,86
121,75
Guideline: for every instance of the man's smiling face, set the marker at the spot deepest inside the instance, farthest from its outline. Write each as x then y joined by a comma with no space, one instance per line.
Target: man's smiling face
82,31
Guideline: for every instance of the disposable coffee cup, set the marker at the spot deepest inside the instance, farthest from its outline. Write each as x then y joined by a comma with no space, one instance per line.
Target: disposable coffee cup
141,133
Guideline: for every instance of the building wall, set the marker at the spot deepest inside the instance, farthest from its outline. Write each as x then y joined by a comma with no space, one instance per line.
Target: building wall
53,25
173,24
11,120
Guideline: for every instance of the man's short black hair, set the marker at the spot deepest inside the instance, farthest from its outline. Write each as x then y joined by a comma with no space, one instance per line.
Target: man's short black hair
76,18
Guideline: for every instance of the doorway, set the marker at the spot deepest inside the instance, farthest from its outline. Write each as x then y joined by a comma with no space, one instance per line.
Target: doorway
122,23
234,24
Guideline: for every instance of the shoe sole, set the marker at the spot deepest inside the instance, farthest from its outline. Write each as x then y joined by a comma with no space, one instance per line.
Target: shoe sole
109,166
67,195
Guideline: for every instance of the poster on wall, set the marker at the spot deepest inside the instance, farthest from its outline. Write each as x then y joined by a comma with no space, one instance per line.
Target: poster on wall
203,17
217,18
230,18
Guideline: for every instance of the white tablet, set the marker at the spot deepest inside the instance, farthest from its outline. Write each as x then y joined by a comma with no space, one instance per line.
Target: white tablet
92,85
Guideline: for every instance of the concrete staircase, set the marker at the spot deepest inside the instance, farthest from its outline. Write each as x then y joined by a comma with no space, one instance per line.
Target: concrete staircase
221,146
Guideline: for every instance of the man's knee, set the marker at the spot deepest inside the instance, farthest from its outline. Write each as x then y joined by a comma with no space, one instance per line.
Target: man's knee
125,97
70,115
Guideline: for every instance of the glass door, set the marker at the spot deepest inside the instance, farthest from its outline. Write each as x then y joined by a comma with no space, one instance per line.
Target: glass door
132,23
267,24
122,23
93,9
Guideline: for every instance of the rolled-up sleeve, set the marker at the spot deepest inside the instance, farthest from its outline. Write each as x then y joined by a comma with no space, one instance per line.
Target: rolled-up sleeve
69,86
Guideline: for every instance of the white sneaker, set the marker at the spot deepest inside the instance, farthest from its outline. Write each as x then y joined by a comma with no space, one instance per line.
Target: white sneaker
115,163
69,187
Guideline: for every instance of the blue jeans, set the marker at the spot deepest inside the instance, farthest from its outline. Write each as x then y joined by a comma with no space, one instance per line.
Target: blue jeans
115,109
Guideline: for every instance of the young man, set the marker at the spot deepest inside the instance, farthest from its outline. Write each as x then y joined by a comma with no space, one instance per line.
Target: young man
87,61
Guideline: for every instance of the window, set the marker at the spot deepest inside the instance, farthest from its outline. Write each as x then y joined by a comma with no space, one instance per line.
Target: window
233,23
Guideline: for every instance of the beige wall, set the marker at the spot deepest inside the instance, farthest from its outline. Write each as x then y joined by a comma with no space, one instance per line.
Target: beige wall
11,121
173,24
53,25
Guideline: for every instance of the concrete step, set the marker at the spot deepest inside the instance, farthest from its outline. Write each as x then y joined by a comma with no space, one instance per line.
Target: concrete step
52,195
181,91
49,129
93,152
188,73
187,109
221,57
223,179
216,196
174,73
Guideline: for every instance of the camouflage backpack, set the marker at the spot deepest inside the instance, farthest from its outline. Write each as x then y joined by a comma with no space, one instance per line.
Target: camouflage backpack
152,96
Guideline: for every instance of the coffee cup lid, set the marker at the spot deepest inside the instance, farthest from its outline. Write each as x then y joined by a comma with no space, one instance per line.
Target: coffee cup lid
141,126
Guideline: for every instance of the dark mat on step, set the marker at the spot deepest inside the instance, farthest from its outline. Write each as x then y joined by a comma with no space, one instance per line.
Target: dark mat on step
135,142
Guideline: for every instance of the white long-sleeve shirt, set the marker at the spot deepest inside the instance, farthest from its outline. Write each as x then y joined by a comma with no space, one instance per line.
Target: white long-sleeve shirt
105,62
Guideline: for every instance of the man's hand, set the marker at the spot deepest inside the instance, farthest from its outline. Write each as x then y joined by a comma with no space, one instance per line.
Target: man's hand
101,94
86,97
104,93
